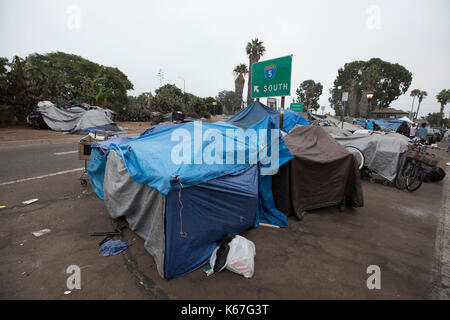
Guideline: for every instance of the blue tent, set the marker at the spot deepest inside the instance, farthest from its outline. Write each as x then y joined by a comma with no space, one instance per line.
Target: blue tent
190,206
158,127
257,111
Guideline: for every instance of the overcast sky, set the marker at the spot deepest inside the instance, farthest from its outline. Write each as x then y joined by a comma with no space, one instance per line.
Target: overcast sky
202,41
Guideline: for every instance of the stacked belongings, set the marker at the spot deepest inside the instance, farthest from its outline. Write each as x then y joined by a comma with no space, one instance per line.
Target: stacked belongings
76,119
183,188
321,174
383,154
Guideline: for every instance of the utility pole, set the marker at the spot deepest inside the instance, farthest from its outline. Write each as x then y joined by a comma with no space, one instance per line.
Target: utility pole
161,77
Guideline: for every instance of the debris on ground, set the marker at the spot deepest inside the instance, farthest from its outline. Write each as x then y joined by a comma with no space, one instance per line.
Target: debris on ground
40,232
113,247
30,201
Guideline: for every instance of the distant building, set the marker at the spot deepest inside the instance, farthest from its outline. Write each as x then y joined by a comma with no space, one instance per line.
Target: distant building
388,114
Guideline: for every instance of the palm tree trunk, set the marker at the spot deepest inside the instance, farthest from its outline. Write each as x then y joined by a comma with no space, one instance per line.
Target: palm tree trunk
417,113
412,108
249,84
441,115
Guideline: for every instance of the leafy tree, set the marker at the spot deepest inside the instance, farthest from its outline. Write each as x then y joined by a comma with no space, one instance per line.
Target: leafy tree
168,98
240,71
195,106
228,99
255,50
309,93
434,120
420,95
4,66
213,106
386,80
63,78
443,98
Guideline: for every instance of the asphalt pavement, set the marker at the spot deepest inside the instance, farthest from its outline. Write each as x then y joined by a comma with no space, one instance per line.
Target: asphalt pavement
325,256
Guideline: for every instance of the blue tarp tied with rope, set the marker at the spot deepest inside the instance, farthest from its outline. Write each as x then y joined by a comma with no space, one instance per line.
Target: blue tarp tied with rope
149,158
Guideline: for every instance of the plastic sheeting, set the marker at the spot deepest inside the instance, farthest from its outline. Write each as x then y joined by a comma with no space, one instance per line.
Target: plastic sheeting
143,207
158,127
257,111
382,152
210,211
159,159
322,173
75,119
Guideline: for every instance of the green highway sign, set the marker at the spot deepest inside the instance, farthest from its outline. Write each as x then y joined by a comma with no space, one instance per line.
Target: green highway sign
298,107
272,78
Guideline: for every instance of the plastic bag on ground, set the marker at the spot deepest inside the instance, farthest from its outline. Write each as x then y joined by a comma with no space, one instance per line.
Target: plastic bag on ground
240,257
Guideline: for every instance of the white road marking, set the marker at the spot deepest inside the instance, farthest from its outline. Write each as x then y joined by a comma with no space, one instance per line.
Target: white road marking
40,177
67,152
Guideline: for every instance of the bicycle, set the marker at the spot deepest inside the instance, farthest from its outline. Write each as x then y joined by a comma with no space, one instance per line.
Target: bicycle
411,175
357,154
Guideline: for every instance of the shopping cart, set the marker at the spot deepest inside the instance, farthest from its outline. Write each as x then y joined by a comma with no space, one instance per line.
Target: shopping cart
85,148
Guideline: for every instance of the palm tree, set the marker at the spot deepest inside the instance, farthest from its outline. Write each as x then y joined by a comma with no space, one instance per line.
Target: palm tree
443,98
240,71
255,50
421,95
414,93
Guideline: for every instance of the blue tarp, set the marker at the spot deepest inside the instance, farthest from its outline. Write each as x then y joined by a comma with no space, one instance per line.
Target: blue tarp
97,163
381,123
158,127
257,111
150,158
210,211
291,118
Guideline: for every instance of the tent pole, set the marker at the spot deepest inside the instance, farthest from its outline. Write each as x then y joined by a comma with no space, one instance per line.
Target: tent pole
282,112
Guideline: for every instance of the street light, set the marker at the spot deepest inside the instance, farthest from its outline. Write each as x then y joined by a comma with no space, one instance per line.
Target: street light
184,84
369,96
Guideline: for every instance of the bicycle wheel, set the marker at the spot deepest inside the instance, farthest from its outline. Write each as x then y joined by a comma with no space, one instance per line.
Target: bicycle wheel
414,176
400,179
357,154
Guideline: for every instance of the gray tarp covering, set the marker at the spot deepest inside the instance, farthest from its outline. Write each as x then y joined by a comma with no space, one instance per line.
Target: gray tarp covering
336,131
143,207
74,119
382,153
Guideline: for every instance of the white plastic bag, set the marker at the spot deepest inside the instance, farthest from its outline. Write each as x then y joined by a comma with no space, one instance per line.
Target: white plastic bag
240,258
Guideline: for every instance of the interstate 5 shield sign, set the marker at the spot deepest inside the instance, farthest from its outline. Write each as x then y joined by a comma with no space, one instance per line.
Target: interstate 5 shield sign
272,78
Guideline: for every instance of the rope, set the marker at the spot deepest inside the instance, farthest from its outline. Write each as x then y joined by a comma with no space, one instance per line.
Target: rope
178,180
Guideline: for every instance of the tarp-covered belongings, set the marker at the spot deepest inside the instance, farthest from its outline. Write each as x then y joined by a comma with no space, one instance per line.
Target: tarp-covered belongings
139,180
338,123
158,127
76,119
338,131
181,230
382,152
257,111
403,119
321,174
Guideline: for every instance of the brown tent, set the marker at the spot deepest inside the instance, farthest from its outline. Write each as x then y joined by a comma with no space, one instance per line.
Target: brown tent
321,174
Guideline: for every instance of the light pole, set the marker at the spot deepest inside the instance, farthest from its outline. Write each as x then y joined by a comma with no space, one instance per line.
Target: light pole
184,84
369,96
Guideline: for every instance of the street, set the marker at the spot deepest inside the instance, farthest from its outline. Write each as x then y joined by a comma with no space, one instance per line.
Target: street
325,256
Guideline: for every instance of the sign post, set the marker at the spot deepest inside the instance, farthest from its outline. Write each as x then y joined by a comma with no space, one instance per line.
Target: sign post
272,78
344,99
